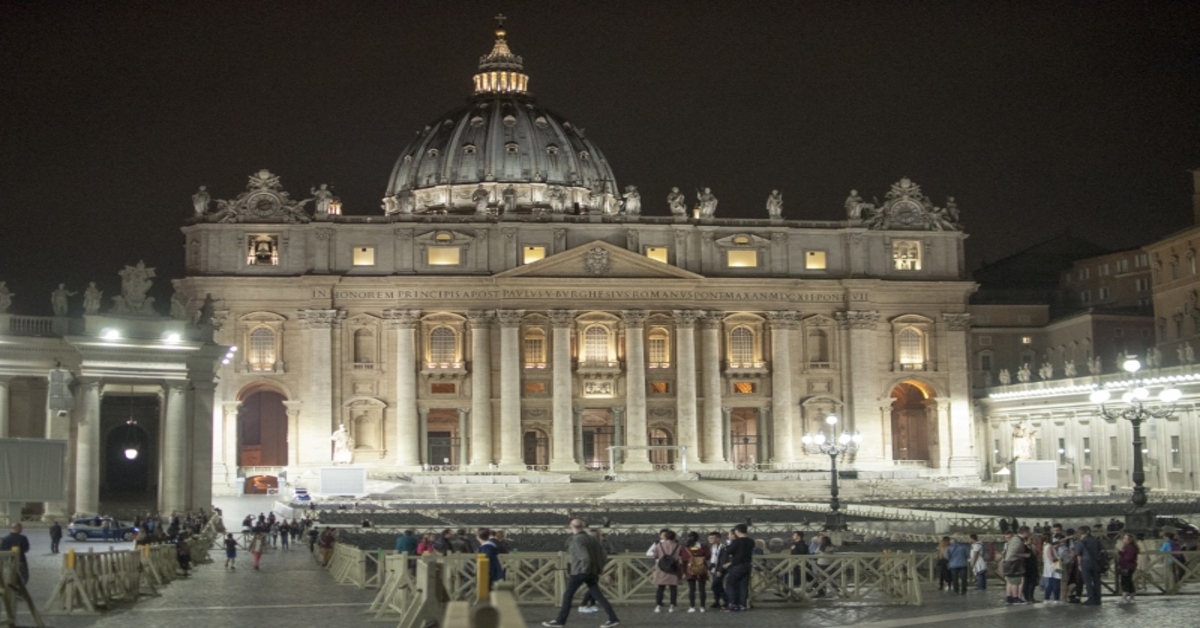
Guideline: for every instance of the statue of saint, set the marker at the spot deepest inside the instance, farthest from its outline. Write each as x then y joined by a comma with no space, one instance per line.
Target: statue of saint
208,309
480,197
633,201
179,303
6,296
58,300
1005,377
200,201
343,445
1046,371
390,205
1095,366
1023,374
91,299
677,203
1023,442
510,199
596,200
775,205
1189,355
323,197
558,199
1069,368
1153,357
708,203
854,206
952,210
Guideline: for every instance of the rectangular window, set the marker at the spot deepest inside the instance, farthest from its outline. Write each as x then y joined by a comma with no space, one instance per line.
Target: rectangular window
1062,451
442,388
1103,270
658,253
364,256
1113,454
443,255
1176,455
1085,273
657,352
1142,259
814,260
262,250
1105,293
1142,284
659,388
531,254
741,258
1026,340
1087,452
743,388
997,457
985,362
906,255
1085,296
535,352
1122,265
535,388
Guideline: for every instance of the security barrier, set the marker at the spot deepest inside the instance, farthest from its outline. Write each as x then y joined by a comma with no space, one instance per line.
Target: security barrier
361,568
13,591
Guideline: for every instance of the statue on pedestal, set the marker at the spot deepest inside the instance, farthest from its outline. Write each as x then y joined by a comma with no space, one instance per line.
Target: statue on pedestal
775,205
1069,368
677,203
58,300
558,199
480,196
707,202
1189,355
179,303
854,206
208,310
1095,366
323,197
596,200
91,299
200,201
343,445
135,282
633,201
1023,374
510,199
6,296
1024,439
1005,377
1046,371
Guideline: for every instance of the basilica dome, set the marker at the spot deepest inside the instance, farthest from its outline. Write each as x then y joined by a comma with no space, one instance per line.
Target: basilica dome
504,145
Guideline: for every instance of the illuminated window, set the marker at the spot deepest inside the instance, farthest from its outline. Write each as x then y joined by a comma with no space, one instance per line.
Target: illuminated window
535,388
535,349
442,388
659,348
444,255
443,346
595,344
741,258
743,388
741,346
1087,452
261,355
364,256
906,255
531,254
364,347
1176,455
658,253
659,388
262,250
1026,340
911,344
1112,452
997,457
814,260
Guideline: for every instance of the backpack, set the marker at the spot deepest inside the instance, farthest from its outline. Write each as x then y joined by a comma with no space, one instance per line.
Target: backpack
989,553
697,567
668,563
1105,562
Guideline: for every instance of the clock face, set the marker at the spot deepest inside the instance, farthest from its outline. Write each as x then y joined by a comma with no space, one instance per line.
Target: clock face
906,213
263,204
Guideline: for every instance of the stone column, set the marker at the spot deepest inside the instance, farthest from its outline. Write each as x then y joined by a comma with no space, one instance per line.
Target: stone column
4,380
635,391
860,409
174,458
620,434
408,444
576,436
87,449
229,440
685,381
200,419
58,427
963,459
766,440
463,441
423,437
480,323
510,389
782,406
318,420
563,454
727,430
293,414
710,358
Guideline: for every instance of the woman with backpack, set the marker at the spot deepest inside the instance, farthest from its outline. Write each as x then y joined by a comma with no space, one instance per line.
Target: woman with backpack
669,560
697,571
1127,563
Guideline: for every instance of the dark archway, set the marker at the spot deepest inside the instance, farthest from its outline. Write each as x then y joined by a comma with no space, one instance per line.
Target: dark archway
911,429
263,430
129,422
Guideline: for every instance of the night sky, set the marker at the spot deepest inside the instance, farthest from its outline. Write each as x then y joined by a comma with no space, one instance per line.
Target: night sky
1035,116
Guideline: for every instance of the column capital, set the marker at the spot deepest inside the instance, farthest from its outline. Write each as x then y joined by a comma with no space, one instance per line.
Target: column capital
727,411
618,411
784,319
321,319
463,413
480,319
857,319
423,412
562,318
711,320
402,319
957,321
510,318
633,318
686,318
175,386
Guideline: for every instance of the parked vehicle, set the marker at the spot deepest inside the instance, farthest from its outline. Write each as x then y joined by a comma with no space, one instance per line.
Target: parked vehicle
88,528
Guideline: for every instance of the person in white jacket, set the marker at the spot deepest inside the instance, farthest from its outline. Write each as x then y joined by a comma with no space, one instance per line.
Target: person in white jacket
979,563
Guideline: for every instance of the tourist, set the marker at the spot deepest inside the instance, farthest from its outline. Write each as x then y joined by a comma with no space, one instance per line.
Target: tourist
313,533
697,571
231,546
19,542
274,534
1051,569
586,562
588,604
1013,564
718,556
1175,558
737,569
183,554
825,564
942,566
1127,563
442,543
1033,569
285,533
459,543
257,545
669,560
55,536
426,545
981,555
407,543
325,544
799,548
958,558
1090,561
501,541
489,548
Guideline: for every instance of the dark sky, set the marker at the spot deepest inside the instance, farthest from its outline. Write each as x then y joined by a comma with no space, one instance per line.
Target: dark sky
1036,116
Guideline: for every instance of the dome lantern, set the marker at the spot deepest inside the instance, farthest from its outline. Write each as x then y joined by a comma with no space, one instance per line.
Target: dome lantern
501,71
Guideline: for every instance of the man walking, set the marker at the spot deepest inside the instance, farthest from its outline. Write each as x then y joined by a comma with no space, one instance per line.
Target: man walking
18,541
1090,562
957,559
586,562
55,536
737,570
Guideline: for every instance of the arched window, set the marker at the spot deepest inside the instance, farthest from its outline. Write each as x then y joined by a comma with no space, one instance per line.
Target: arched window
659,348
261,356
364,347
535,349
818,347
911,344
595,344
741,346
443,346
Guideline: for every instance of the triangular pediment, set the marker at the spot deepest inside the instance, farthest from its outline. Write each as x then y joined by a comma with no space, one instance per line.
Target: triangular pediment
599,260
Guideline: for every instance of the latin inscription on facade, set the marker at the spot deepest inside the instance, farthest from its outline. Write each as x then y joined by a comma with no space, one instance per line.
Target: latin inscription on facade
600,295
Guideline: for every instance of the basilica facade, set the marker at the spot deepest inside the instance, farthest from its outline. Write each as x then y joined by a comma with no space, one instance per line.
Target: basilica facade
511,309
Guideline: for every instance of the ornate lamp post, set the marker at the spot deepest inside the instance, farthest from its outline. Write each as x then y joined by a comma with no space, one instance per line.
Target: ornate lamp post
1133,408
832,446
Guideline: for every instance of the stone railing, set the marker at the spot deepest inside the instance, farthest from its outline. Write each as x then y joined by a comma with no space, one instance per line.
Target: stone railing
15,325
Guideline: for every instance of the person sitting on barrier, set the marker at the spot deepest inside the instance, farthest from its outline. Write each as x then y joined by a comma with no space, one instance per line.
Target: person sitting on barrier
586,563
488,548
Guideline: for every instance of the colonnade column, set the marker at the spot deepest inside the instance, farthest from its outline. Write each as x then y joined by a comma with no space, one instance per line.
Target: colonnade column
860,407
685,381
510,389
58,427
87,449
4,380
710,358
962,457
200,421
228,444
404,322
480,323
293,409
782,324
635,391
464,416
318,420
563,456
175,450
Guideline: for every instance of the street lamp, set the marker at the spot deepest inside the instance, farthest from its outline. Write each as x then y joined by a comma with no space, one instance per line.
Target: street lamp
1134,409
832,446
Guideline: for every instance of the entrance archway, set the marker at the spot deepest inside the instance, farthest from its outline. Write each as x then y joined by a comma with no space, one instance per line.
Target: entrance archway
744,437
662,459
598,434
912,432
129,421
536,448
263,430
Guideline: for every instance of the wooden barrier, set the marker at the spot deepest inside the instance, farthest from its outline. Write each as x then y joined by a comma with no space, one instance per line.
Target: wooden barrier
94,581
500,611
13,591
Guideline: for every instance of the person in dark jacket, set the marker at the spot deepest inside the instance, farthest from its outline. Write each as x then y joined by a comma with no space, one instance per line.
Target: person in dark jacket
586,562
1090,561
737,578
488,547
55,536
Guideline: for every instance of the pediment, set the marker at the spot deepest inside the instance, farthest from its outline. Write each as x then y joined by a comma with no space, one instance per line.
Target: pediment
599,260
